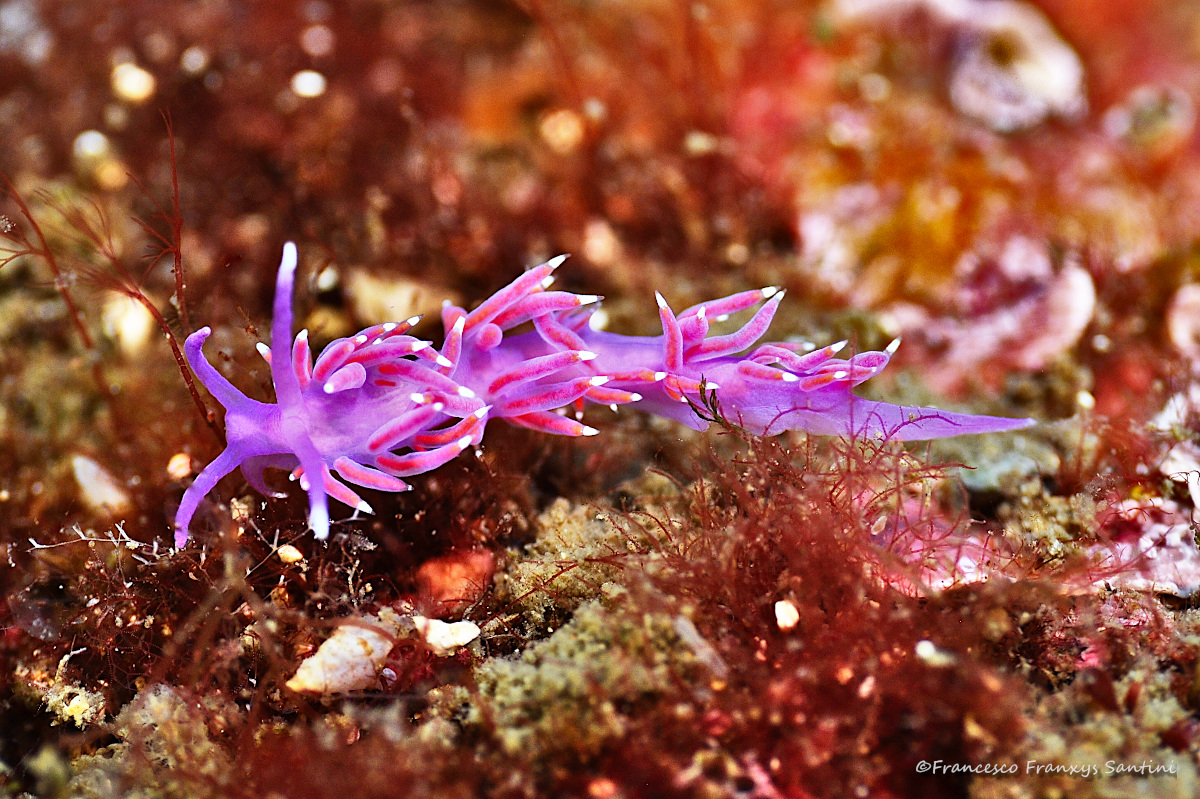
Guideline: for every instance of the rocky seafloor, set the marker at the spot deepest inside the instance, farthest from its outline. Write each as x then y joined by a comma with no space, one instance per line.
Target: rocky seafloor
1012,188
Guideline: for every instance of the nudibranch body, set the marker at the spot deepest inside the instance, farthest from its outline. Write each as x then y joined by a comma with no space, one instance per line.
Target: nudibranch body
383,405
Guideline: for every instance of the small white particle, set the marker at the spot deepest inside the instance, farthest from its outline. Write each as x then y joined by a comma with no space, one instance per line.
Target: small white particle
364,507
91,144
180,466
442,360
587,299
132,83
445,637
842,375
598,320
613,407
482,412
418,398
660,376
360,339
264,351
662,302
464,442
929,652
723,318
584,355
556,261
194,60
308,83
388,327
317,41
98,487
589,431
769,292
787,616
891,348
327,279
465,392
788,377
834,349
598,380
635,397
459,325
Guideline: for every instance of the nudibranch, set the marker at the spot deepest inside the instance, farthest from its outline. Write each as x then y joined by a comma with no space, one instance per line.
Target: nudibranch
383,405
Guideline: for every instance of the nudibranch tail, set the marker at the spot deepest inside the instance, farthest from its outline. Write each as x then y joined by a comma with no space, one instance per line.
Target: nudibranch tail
382,405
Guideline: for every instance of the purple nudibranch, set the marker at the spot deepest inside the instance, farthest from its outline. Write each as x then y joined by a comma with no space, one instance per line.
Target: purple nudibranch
382,405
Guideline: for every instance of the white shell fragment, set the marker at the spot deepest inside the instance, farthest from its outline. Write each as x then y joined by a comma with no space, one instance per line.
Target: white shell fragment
787,615
446,637
180,466
289,554
98,488
350,659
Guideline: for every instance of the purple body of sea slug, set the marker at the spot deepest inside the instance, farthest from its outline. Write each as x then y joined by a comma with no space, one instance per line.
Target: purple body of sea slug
383,405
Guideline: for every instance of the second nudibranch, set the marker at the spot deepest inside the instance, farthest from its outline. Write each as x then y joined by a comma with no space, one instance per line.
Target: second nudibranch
383,405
